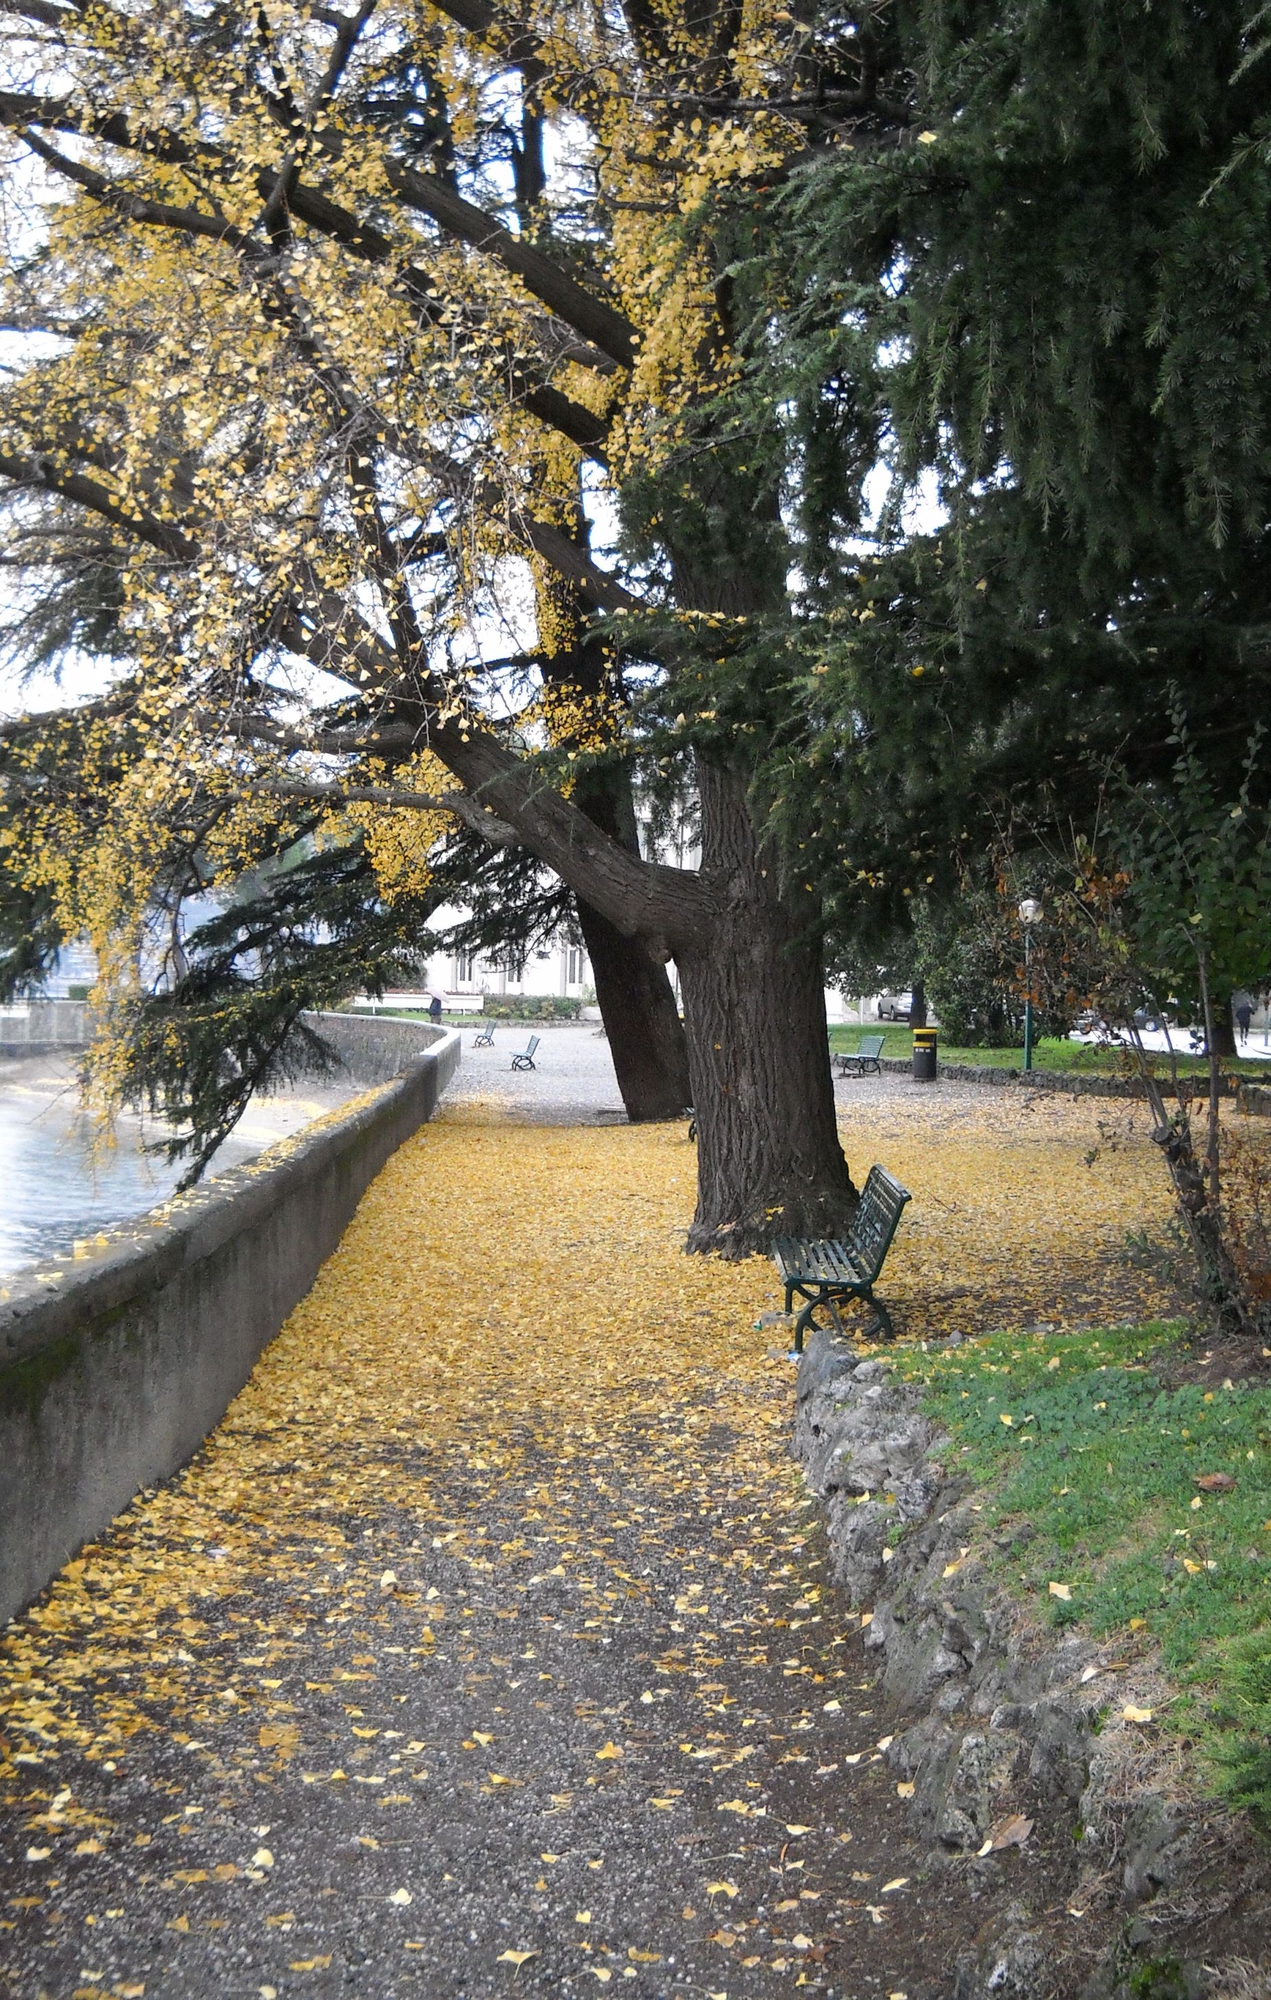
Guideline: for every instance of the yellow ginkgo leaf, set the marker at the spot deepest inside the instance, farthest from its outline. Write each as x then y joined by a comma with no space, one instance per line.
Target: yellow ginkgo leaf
610,1750
728,1889
1063,1591
402,1897
517,1958
1133,1714
897,1882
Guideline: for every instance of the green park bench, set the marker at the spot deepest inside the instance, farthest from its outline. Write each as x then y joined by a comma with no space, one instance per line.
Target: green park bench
524,1058
484,1039
864,1056
827,1272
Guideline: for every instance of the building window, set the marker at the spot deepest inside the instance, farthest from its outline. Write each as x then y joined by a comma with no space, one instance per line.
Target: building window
574,970
465,968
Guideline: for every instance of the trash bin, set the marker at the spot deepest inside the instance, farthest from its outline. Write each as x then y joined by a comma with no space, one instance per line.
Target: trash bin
924,1055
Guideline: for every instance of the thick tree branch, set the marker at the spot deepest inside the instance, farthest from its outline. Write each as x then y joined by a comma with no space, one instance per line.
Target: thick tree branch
457,804
43,475
610,330
385,740
43,11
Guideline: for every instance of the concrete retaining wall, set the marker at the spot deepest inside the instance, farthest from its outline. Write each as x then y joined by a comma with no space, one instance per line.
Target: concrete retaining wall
42,1026
114,1367
372,1049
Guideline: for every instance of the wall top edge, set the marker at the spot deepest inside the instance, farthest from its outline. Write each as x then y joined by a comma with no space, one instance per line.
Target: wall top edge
67,1292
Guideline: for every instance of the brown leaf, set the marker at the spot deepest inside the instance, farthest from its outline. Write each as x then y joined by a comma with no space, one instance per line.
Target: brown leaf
1012,1831
1216,1482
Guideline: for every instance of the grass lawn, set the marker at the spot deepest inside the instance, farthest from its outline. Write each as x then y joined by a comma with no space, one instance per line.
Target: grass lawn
1049,1053
1092,1447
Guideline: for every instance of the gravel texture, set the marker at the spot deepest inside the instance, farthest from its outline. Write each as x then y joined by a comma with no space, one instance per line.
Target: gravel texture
488,1646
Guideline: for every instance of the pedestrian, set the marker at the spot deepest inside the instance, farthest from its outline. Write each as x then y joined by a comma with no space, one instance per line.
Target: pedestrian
434,1009
1244,1014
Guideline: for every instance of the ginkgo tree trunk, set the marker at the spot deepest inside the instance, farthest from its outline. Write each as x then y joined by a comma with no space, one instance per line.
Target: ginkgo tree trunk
326,341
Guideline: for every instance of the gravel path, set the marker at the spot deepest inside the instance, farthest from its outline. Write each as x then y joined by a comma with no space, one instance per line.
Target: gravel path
572,1081
484,1648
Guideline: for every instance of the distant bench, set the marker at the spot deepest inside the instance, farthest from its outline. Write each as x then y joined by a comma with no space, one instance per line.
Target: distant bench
865,1055
828,1271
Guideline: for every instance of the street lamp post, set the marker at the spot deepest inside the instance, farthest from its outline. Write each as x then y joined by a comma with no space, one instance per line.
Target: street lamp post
1030,911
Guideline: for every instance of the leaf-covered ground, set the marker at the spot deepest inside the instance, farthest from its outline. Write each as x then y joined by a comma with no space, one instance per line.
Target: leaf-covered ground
485,1646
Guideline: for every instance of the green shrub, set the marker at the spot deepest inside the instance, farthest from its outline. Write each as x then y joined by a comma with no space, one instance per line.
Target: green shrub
532,1007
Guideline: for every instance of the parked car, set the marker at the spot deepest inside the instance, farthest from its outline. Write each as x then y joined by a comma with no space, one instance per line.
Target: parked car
895,1006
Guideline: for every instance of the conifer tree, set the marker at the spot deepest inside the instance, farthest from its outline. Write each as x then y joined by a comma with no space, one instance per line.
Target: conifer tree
1049,305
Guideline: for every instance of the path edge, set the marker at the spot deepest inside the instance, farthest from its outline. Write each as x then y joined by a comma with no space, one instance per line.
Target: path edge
115,1365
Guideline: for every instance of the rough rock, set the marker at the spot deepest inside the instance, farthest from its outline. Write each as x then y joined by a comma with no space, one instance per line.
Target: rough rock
991,1713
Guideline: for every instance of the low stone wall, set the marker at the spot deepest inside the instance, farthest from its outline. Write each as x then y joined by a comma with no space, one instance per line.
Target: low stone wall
1254,1098
372,1048
114,1367
990,1714
42,1026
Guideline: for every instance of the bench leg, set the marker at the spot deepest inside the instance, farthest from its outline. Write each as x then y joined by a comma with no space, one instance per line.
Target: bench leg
885,1328
803,1322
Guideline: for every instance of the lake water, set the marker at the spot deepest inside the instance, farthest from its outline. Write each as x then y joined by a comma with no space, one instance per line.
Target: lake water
58,1183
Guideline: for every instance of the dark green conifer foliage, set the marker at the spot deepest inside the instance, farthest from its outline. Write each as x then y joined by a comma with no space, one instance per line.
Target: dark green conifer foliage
1050,302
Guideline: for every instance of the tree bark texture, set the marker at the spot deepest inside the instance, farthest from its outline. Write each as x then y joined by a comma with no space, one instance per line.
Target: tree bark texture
636,1000
642,1021
769,1158
1224,1038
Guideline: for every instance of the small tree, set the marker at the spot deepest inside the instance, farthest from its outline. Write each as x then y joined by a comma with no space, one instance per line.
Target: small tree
1183,911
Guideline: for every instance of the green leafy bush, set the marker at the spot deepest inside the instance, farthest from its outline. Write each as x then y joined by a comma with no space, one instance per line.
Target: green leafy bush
532,1007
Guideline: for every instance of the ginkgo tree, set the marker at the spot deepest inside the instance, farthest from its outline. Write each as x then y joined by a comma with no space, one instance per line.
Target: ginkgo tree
344,324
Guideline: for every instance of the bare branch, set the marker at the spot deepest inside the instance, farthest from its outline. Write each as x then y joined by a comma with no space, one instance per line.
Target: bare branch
495,831
609,329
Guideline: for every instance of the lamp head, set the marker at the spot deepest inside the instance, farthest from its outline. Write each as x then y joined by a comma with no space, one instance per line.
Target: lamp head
1030,911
